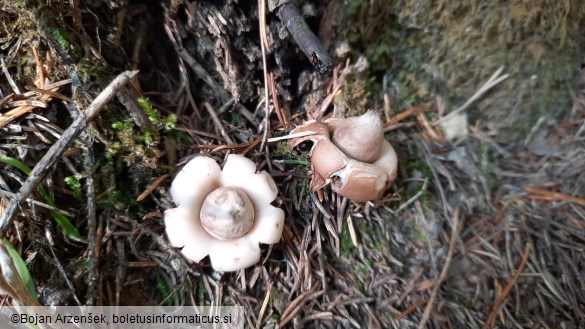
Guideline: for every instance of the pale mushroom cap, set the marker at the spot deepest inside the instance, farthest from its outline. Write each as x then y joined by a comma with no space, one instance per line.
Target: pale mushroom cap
225,255
326,158
351,154
360,138
241,172
268,225
185,231
234,255
194,183
388,161
319,130
227,213
261,189
360,181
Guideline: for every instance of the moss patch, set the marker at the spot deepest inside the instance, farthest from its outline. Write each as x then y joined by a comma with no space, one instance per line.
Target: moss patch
446,48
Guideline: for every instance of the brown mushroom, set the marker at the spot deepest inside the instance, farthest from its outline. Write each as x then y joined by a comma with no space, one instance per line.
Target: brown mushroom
351,154
360,137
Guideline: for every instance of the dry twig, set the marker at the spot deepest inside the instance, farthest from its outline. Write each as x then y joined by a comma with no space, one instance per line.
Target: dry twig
305,38
508,288
262,12
406,113
494,80
218,123
443,275
15,113
537,193
151,187
59,147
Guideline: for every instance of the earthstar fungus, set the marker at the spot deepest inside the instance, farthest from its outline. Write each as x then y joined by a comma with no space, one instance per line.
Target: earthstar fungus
351,154
223,213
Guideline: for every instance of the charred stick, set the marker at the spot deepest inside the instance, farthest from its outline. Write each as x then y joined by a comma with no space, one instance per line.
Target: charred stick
305,38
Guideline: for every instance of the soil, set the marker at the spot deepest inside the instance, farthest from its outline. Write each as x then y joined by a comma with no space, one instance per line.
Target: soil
484,226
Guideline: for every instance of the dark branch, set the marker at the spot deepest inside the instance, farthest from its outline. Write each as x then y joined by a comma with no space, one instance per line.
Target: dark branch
305,38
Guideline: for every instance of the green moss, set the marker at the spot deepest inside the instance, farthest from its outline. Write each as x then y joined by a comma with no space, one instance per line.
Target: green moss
123,126
148,137
356,98
304,185
60,37
418,234
283,149
420,166
124,182
154,116
201,293
361,271
74,185
151,112
170,122
237,119
124,130
375,233
345,242
449,48
360,283
170,297
90,70
487,167
427,174
142,146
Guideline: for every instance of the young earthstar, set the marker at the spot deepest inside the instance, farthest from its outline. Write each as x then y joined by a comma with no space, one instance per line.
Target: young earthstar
225,213
351,154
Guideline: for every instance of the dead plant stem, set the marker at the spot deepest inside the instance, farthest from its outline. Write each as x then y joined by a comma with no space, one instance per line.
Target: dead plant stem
92,263
494,80
38,203
261,13
53,154
502,297
218,123
443,275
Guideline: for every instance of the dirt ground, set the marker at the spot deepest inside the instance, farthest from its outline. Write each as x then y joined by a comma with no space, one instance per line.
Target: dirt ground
484,102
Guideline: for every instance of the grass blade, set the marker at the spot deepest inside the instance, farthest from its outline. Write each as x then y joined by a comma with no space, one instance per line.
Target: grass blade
21,269
68,228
